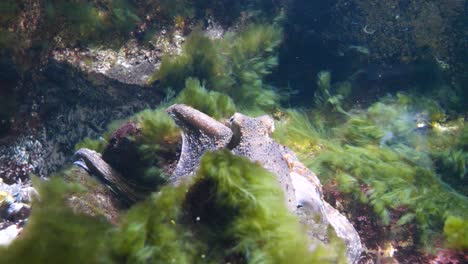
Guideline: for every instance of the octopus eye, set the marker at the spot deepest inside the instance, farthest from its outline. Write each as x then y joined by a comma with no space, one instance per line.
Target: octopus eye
231,119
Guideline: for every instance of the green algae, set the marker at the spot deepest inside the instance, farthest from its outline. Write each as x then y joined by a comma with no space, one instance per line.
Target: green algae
88,22
9,9
200,58
262,229
152,231
399,152
379,148
380,156
158,139
456,232
212,103
251,57
156,143
305,134
403,151
157,127
331,96
211,75
233,211
235,65
240,217
54,234
97,145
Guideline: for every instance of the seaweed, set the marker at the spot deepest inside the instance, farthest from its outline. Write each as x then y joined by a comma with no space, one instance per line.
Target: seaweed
9,10
157,127
229,10
400,152
251,57
54,234
97,145
235,65
330,96
85,22
361,131
239,216
155,144
456,232
304,135
152,233
158,143
258,224
212,103
200,58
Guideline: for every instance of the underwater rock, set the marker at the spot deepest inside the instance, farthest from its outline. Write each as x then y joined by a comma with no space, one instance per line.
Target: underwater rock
17,211
15,208
122,187
252,139
121,152
132,64
8,234
98,200
247,137
40,138
16,193
18,160
200,133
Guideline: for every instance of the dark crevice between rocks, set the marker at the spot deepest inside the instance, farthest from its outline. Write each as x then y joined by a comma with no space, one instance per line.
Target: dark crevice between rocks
236,136
8,81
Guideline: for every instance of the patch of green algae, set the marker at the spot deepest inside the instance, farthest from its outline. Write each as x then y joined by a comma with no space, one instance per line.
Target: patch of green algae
251,215
401,151
235,65
212,103
234,212
381,157
456,232
54,234
241,217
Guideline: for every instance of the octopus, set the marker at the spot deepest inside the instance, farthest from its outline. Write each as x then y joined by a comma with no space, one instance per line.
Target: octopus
248,137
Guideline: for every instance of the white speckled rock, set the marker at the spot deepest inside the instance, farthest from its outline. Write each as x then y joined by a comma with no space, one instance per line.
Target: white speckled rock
8,234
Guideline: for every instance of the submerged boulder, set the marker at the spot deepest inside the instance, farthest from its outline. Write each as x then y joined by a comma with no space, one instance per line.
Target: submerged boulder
15,208
302,187
248,137
251,138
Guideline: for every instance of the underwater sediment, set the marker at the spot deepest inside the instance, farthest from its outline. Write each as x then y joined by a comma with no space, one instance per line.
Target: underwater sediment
365,98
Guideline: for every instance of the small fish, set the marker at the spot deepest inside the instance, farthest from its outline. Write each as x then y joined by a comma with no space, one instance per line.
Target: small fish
360,49
356,48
